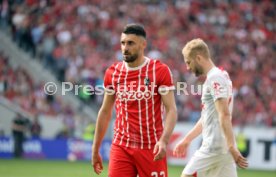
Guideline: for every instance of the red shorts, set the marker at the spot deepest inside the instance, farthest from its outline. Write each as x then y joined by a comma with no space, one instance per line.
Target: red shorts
130,162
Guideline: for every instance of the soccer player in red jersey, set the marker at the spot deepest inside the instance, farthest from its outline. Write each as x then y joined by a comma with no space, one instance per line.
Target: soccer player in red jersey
140,87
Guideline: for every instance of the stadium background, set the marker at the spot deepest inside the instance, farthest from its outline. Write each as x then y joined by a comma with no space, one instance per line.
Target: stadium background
75,41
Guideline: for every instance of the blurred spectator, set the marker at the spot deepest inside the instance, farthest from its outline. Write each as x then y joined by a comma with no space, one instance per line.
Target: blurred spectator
36,128
89,131
2,132
242,143
4,12
69,123
63,133
19,127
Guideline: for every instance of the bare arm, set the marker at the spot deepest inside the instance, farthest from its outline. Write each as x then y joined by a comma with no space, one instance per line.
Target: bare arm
181,147
225,121
171,118
104,117
226,124
197,129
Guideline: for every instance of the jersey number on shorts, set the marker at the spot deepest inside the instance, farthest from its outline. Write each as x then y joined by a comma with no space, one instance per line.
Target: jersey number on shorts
155,174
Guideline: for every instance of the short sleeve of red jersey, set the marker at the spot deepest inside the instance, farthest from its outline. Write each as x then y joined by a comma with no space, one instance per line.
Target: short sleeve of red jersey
108,85
219,88
164,78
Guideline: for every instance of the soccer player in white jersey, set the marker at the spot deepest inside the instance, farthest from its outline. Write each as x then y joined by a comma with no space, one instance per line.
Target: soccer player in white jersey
218,155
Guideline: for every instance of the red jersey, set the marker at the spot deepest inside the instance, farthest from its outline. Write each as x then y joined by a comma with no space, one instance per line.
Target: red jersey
139,109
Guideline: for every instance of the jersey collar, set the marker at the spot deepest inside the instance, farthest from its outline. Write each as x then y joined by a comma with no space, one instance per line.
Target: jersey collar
138,67
211,71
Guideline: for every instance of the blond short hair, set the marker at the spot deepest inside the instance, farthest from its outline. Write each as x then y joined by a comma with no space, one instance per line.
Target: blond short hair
196,47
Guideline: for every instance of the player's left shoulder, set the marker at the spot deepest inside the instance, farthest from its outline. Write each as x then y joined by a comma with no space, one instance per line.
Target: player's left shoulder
219,73
160,66
219,78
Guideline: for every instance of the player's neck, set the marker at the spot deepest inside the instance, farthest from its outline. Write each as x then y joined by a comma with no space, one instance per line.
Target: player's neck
136,63
208,66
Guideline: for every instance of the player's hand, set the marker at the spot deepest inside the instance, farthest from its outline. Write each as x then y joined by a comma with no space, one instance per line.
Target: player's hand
180,149
97,163
239,159
159,150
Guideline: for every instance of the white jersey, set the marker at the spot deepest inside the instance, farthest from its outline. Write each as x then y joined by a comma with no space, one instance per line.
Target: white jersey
217,85
213,158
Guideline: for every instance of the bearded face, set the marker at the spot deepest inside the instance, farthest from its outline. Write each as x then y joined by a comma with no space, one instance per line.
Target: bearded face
197,70
130,57
193,66
131,46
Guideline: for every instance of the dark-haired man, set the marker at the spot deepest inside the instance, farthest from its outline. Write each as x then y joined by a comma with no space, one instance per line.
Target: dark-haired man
139,87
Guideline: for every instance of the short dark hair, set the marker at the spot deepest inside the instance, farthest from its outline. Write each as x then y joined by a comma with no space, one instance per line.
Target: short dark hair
135,29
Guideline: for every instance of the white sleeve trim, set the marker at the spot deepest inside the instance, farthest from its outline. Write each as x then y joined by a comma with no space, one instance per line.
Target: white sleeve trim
109,91
166,88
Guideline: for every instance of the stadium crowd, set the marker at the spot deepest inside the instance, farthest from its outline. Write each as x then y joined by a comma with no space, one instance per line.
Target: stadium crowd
78,40
17,86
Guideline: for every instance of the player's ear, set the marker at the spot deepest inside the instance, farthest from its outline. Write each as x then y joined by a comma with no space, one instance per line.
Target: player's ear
198,58
144,43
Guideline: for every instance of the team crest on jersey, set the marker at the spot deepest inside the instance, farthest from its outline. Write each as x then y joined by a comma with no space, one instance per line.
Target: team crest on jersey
147,81
216,85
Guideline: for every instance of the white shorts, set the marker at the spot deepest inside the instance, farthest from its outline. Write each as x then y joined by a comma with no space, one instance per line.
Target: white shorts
206,165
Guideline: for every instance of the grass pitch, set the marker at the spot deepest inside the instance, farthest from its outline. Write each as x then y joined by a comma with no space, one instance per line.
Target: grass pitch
43,168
